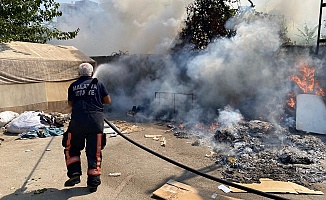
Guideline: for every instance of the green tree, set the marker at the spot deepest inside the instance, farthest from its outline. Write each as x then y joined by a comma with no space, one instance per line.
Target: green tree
308,34
31,21
205,21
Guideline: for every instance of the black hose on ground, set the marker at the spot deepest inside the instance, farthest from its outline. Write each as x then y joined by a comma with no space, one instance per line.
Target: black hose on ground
260,193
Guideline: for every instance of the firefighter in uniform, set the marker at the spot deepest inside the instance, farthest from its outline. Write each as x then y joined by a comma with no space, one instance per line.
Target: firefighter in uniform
86,96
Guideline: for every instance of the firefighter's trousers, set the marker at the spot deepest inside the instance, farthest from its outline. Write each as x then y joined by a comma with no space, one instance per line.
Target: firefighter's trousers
85,128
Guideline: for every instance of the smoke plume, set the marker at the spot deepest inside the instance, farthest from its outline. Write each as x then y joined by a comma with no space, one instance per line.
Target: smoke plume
249,71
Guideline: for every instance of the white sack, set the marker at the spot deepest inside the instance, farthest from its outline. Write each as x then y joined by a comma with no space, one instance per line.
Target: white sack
6,117
27,121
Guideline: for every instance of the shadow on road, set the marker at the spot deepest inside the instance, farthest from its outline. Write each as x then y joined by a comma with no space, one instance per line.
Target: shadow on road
48,193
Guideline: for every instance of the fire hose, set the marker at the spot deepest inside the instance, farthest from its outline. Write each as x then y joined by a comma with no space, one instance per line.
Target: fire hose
260,193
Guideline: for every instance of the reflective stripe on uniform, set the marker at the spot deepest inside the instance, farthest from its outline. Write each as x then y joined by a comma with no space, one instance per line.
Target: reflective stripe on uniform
94,172
97,170
70,160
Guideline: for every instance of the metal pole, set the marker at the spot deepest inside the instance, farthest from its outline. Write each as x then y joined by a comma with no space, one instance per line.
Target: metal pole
319,25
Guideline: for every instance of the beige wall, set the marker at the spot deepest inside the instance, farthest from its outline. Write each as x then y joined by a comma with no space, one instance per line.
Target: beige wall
57,91
22,94
46,96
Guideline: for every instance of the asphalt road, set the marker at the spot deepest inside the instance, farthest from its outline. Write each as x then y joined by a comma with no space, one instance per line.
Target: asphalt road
38,165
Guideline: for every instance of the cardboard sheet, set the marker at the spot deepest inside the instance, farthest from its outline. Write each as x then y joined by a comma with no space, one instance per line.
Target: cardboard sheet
271,186
176,190
173,190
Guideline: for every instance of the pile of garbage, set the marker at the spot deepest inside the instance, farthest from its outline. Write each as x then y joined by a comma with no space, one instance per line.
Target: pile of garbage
32,124
250,150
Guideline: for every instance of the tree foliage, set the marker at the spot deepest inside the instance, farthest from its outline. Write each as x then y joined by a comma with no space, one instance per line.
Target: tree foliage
205,21
30,21
308,34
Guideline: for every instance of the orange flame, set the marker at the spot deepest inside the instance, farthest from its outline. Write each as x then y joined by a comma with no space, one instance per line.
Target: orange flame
203,127
306,82
291,100
213,126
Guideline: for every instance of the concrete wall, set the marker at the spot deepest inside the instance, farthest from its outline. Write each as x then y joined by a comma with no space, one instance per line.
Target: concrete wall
46,96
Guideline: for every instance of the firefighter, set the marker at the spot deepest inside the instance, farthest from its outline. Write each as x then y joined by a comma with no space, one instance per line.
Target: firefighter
86,96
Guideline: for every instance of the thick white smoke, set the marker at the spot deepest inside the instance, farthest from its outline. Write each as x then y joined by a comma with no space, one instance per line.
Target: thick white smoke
137,27
150,26
298,14
248,71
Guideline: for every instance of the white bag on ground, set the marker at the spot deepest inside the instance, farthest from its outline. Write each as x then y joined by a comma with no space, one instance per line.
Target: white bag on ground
6,117
27,121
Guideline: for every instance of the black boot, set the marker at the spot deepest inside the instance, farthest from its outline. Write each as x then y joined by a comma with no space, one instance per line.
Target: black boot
93,182
72,181
92,188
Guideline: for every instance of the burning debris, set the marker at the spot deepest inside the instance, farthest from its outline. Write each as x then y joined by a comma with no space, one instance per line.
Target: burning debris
250,150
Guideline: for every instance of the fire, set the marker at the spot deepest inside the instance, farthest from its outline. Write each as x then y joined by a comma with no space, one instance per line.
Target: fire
213,126
203,127
306,82
291,100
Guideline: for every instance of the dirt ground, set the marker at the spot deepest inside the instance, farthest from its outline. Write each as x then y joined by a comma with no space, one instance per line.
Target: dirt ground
35,168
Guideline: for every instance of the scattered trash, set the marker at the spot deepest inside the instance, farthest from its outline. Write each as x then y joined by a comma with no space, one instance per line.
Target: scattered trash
214,196
6,117
108,130
212,153
42,133
246,151
39,191
28,150
127,128
113,134
195,143
224,188
232,159
115,174
27,121
163,141
220,197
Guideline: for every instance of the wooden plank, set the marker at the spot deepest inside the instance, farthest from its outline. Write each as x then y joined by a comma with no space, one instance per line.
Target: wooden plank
152,136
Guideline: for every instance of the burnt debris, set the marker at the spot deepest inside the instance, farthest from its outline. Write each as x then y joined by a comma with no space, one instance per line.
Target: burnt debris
250,150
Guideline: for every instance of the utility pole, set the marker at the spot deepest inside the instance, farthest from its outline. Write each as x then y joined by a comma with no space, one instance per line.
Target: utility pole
319,40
